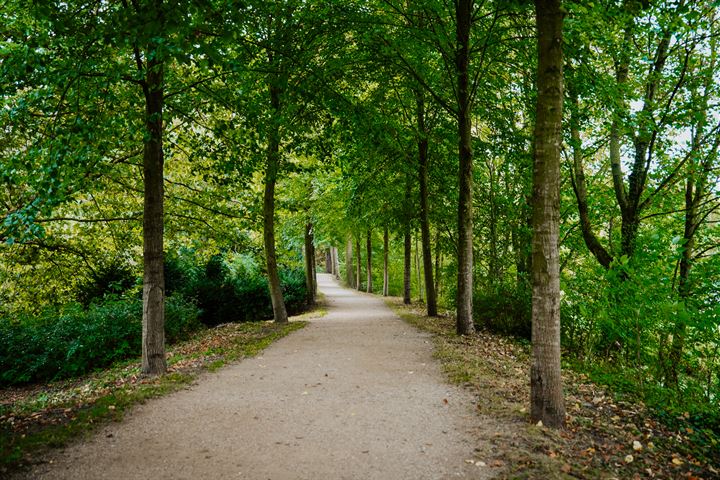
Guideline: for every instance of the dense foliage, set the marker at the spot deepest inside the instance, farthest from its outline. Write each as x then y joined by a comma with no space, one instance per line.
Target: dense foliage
72,340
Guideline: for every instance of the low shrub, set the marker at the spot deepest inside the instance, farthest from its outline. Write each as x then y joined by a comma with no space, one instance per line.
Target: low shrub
235,290
504,309
113,277
75,340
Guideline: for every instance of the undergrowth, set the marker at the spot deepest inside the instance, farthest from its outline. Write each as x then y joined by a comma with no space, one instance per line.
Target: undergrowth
609,434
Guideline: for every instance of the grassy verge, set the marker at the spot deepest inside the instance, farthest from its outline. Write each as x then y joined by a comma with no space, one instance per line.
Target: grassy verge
38,417
606,436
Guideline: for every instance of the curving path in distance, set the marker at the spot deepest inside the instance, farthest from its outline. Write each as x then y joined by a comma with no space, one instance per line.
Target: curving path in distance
354,395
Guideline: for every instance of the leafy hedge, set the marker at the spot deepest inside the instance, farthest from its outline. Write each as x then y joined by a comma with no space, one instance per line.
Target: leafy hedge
504,309
227,292
75,340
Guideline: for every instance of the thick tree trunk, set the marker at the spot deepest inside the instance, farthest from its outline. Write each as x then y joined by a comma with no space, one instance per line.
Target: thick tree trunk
465,323
271,172
369,262
309,271
153,321
547,402
358,258
406,266
349,270
386,274
328,261
424,221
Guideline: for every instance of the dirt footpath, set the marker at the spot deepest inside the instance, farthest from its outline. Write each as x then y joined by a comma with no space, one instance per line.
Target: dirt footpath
354,395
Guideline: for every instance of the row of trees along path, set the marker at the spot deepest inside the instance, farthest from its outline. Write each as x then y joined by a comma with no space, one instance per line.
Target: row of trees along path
364,102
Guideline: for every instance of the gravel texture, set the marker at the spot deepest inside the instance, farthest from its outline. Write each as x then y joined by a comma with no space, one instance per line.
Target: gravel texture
354,395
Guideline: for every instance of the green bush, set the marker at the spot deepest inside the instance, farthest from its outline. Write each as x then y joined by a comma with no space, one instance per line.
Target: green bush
75,340
504,309
112,277
234,289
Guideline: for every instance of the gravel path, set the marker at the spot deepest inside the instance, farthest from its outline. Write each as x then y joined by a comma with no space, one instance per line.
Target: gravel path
354,395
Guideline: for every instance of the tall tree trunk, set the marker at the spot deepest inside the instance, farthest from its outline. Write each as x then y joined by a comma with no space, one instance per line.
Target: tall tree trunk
438,264
465,323
349,270
328,260
696,190
417,270
153,320
386,274
309,272
335,263
547,402
406,266
424,221
358,282
678,340
369,261
271,172
314,269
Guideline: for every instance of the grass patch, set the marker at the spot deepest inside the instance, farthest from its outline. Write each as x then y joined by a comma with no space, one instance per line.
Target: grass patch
38,417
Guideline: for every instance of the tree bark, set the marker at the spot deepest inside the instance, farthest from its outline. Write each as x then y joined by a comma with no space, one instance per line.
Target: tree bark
386,274
309,272
271,172
349,270
153,320
547,402
328,260
438,264
358,283
465,323
493,260
369,262
336,263
314,269
424,221
406,266
417,271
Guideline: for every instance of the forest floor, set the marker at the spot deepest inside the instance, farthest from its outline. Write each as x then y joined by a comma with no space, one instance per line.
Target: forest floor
607,436
357,393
